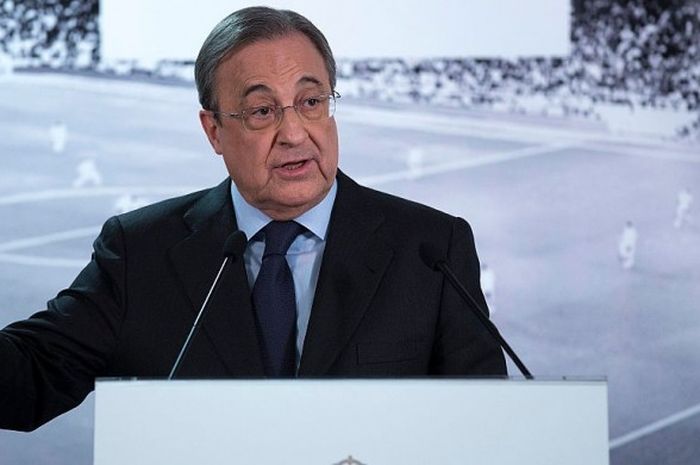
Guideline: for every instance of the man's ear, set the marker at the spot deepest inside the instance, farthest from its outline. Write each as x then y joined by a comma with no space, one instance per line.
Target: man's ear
211,129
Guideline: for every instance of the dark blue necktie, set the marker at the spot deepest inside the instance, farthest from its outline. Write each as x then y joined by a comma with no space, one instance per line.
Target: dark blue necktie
274,300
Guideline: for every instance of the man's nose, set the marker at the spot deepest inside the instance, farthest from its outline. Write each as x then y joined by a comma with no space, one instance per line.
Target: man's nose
292,128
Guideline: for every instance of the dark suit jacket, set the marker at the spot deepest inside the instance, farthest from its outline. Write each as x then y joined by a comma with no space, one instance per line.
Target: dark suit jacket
378,309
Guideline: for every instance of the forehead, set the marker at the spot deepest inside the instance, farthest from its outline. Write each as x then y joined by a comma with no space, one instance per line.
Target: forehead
275,66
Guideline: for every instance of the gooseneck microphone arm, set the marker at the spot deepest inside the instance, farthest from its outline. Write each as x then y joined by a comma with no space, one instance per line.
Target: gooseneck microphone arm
233,249
433,259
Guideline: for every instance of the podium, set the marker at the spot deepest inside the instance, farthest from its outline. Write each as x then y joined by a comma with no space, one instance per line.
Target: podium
351,422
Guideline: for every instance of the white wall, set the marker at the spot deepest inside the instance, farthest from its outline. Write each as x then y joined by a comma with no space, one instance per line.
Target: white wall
175,29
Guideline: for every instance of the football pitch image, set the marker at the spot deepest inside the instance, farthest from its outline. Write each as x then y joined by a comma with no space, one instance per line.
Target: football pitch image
548,199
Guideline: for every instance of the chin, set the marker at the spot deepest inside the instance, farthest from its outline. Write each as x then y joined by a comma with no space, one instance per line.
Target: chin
302,197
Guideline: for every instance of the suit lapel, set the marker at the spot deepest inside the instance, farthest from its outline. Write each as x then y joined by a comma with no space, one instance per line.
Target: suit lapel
229,322
354,261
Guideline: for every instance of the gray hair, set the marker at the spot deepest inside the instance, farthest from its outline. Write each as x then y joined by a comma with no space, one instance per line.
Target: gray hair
244,27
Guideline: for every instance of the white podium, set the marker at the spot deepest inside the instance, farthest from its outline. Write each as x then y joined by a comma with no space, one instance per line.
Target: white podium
351,422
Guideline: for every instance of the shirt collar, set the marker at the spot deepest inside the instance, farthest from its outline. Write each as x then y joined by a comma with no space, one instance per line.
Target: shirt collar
250,220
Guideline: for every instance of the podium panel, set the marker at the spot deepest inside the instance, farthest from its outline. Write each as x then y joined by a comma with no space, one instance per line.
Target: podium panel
351,422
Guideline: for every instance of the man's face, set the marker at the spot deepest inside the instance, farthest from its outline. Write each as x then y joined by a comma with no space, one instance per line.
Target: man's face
282,170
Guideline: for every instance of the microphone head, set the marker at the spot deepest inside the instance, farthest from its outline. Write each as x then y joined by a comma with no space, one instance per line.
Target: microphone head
430,255
235,245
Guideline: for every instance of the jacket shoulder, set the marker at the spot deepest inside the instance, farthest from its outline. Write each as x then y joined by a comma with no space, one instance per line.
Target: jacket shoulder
192,208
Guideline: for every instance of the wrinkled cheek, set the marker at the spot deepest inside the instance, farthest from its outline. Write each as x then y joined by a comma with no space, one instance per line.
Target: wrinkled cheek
330,165
333,151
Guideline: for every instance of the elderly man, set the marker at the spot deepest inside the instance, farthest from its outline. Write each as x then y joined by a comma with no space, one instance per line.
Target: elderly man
330,282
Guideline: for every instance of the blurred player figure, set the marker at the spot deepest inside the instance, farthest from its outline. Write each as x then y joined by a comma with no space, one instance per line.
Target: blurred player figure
627,246
128,202
6,66
488,285
59,135
87,174
414,161
685,199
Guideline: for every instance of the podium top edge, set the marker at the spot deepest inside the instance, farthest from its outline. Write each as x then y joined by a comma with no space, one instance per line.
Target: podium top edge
417,380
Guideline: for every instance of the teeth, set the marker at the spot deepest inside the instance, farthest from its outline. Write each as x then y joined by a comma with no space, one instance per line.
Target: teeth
294,166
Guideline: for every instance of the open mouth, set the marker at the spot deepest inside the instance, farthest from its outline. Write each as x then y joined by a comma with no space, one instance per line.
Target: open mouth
294,166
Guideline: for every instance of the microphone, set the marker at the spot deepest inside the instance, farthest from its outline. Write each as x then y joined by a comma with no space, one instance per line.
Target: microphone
434,260
233,250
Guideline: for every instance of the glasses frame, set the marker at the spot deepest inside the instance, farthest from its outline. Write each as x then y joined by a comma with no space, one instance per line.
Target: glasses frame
279,111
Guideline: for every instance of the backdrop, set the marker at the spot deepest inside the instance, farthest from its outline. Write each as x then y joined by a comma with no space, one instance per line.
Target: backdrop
566,133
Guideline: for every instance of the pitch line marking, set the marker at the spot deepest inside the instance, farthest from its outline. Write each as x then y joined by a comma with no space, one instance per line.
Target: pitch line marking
49,238
108,191
494,124
470,162
487,159
42,261
57,194
669,155
51,262
654,427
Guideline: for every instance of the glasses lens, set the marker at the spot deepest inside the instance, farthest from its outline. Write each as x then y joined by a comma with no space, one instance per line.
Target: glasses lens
316,107
313,108
261,117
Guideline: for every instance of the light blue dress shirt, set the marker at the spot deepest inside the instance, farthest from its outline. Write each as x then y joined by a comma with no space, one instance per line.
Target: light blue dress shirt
304,255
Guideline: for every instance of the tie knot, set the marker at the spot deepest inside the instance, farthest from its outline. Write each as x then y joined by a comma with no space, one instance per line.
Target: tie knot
279,235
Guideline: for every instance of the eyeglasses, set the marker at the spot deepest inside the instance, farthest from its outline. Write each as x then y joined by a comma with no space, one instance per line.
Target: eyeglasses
312,108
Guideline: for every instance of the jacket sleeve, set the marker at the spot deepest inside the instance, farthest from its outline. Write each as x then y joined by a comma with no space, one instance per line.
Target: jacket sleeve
463,346
48,362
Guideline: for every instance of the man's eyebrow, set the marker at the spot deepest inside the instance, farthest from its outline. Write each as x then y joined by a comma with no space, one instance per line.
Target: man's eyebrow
256,88
309,80
264,88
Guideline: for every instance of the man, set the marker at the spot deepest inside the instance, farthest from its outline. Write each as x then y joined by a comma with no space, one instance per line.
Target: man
362,301
58,133
627,246
684,201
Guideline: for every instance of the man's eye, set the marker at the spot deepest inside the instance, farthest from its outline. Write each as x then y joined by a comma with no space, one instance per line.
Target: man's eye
311,102
260,112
